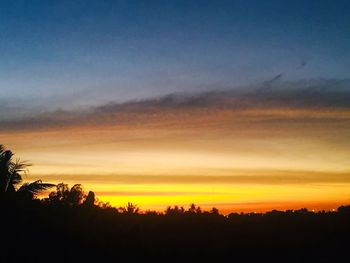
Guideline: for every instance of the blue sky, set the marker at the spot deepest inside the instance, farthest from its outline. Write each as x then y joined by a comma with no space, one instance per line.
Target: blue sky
70,53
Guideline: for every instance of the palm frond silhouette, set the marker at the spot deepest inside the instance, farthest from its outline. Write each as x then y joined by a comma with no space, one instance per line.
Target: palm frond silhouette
34,188
11,178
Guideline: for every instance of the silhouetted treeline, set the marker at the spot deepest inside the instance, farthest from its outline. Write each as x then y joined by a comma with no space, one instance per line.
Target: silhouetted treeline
71,225
68,227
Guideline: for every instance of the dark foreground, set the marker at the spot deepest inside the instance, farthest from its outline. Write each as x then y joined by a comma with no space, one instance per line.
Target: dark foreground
34,232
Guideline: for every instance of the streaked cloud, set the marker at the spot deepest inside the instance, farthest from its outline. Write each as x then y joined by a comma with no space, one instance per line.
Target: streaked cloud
259,177
305,101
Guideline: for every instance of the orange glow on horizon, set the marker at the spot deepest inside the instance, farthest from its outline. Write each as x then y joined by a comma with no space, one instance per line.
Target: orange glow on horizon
252,160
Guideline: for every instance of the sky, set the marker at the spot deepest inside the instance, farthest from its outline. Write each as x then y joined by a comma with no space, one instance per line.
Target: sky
243,105
91,52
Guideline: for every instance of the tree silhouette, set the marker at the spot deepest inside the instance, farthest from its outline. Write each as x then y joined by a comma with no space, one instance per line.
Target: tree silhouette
90,199
214,211
10,178
193,209
130,209
69,196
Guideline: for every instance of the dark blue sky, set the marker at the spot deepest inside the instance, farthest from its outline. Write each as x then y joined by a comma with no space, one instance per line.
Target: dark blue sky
90,52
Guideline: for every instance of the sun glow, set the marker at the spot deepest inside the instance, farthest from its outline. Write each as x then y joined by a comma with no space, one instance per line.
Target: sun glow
228,159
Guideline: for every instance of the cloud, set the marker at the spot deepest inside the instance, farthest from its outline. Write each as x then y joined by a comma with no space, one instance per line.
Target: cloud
304,61
259,177
307,94
275,78
150,193
308,98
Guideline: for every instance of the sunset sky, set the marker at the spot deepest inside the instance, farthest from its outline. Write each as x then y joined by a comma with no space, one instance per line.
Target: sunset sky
241,105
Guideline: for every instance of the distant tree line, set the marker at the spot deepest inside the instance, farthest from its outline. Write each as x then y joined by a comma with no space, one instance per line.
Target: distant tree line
70,225
12,188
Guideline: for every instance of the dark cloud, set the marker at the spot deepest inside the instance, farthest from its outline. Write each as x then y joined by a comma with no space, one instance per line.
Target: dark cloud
277,77
307,93
304,61
302,64
318,94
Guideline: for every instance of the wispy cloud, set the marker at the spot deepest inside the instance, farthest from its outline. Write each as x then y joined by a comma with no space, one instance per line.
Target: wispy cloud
258,177
308,99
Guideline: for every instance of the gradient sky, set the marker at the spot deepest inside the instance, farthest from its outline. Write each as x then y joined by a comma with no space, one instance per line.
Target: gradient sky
88,52
259,115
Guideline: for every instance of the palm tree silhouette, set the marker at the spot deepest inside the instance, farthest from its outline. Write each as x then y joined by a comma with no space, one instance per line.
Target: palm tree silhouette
130,209
10,177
